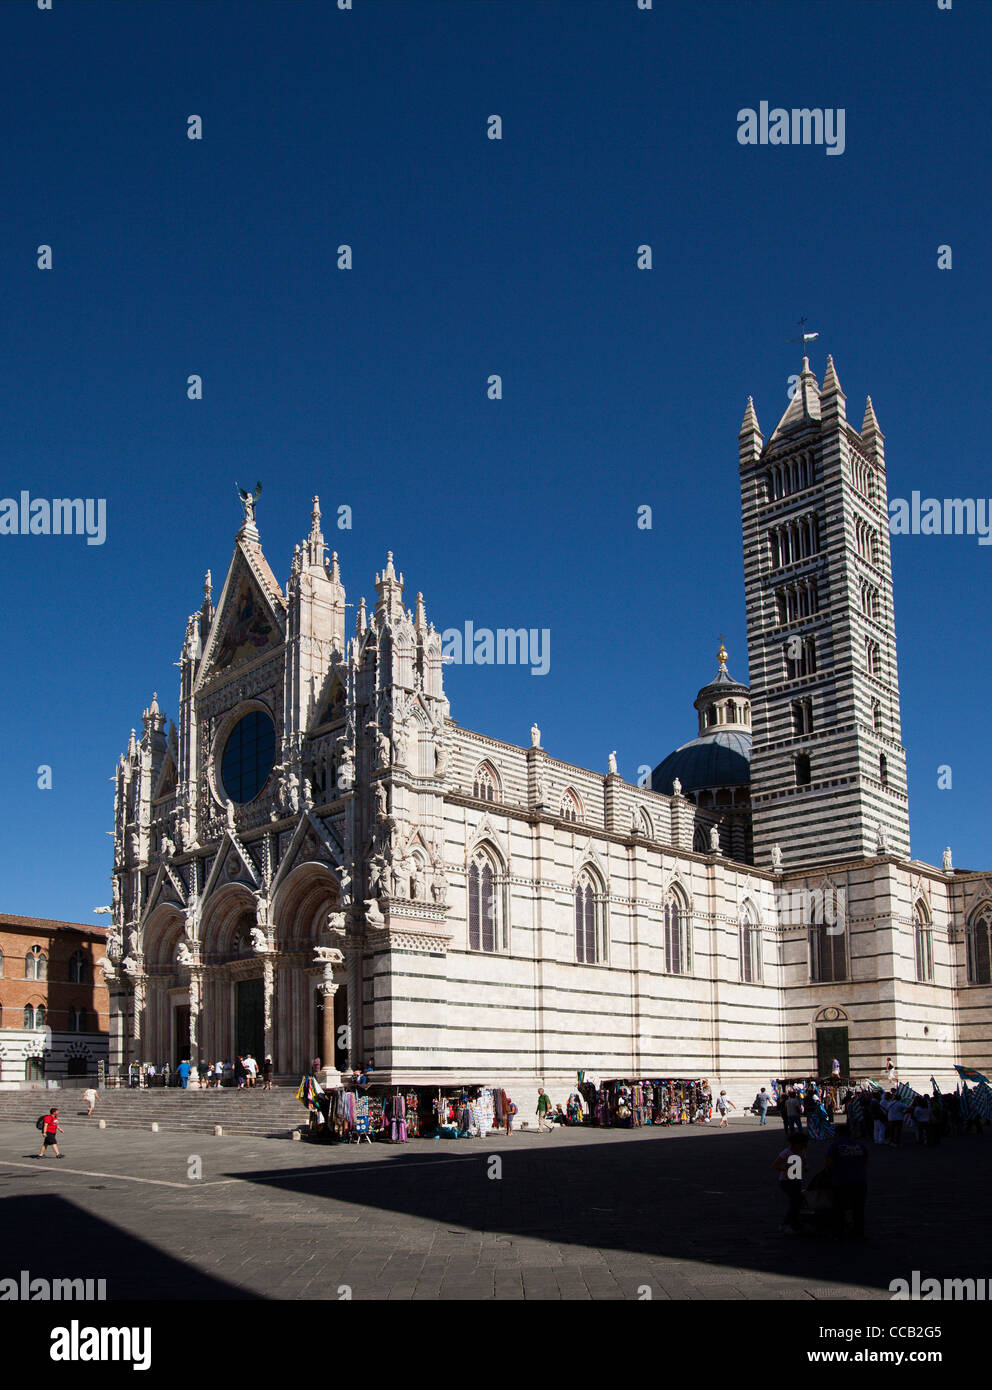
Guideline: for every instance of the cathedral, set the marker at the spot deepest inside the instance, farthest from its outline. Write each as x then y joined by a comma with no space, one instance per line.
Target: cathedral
318,861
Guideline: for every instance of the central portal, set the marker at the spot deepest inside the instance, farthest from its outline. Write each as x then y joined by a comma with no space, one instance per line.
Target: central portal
249,1020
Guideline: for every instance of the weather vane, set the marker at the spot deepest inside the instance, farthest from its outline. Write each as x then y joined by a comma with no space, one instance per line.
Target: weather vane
804,336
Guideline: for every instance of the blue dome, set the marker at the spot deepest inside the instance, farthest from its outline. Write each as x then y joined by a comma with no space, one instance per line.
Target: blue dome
718,759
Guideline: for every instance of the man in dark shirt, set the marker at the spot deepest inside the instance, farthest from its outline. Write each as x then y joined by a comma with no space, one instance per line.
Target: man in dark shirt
847,1162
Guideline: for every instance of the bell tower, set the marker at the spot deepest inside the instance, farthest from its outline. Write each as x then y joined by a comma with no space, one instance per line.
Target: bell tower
828,769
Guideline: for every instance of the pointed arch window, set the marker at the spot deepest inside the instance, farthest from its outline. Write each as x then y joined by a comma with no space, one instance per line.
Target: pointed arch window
34,1015
79,969
750,947
827,954
485,917
570,809
979,942
678,943
589,917
35,964
485,783
923,942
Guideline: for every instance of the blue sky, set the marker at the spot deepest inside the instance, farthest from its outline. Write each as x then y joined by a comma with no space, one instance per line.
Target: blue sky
472,257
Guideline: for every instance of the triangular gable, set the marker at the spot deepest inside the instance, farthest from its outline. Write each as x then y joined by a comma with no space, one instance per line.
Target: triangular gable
166,784
332,701
250,617
164,889
310,836
228,846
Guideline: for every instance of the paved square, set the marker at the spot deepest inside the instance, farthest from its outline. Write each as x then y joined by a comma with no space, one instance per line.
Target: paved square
578,1214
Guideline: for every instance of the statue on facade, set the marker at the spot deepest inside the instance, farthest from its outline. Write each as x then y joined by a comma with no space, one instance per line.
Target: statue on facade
381,801
132,942
948,866
612,763
259,940
184,956
676,787
415,878
248,500
714,840
381,744
776,853
229,811
168,848
535,736
400,743
337,923
542,792
440,759
439,887
882,839
109,973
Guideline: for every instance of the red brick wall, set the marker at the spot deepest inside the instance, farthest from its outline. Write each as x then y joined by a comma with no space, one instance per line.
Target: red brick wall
59,941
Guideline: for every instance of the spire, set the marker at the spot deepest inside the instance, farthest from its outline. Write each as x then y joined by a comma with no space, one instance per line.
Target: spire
804,406
869,425
749,425
208,588
831,386
420,622
335,571
132,746
721,655
315,547
361,622
389,589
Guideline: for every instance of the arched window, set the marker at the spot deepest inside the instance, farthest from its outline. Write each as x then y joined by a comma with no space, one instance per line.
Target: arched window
750,947
678,946
980,946
484,915
700,842
485,782
883,770
34,1016
804,773
588,919
35,965
569,809
79,969
871,656
876,716
646,829
827,930
923,934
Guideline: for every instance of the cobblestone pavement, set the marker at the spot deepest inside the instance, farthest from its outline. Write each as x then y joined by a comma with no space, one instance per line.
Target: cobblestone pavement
576,1214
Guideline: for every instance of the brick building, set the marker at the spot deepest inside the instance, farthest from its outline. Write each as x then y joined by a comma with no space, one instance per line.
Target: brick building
53,1000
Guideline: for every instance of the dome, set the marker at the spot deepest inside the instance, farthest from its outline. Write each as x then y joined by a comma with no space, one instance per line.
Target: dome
718,759
721,755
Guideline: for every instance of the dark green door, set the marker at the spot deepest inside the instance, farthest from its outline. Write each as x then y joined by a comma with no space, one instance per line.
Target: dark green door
832,1043
249,1020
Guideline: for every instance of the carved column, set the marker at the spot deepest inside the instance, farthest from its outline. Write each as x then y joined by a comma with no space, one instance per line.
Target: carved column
195,1013
356,1037
327,957
268,1000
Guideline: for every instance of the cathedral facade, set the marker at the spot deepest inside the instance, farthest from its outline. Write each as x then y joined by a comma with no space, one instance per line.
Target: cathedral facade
319,861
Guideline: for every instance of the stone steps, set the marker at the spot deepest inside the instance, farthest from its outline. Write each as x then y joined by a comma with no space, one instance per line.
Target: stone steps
261,1114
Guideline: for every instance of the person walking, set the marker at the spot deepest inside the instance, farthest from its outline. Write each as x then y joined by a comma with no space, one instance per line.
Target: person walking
267,1074
50,1131
897,1114
790,1164
847,1162
724,1104
543,1106
761,1103
183,1069
793,1113
90,1096
511,1110
251,1070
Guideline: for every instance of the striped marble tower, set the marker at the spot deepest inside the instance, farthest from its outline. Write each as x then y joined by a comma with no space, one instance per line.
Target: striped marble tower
828,770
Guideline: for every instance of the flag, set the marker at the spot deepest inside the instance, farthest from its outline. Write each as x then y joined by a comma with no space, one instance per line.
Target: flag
819,1126
982,1098
936,1088
906,1093
969,1073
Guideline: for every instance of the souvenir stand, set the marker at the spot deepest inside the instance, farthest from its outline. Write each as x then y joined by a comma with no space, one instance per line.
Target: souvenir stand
666,1101
468,1112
